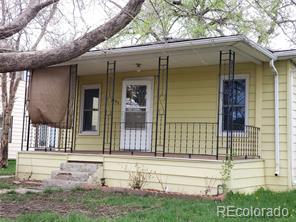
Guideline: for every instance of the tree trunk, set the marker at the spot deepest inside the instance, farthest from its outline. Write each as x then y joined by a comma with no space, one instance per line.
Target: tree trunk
4,141
7,107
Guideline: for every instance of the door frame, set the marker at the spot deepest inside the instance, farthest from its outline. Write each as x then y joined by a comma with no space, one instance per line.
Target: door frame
149,81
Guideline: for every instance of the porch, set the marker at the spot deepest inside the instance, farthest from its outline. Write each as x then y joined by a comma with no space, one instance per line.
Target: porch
188,176
137,116
160,109
173,106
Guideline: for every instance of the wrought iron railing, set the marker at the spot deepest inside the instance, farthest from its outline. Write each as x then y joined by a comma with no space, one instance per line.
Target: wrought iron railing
39,137
187,139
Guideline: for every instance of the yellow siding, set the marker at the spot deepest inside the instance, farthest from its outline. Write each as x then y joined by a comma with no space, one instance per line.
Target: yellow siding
177,175
267,128
38,166
292,126
192,97
247,176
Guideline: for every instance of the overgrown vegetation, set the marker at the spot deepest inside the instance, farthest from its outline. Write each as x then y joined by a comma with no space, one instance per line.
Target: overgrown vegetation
91,206
138,177
226,174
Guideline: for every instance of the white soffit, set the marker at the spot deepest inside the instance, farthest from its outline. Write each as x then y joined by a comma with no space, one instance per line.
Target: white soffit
182,54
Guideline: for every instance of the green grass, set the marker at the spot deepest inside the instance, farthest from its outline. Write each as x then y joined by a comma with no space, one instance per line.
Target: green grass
10,170
51,217
6,185
152,209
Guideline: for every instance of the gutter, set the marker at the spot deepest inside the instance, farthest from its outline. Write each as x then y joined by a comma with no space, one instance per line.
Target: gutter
276,118
175,45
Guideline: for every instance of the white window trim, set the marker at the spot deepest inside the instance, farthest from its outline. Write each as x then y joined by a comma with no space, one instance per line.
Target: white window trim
83,88
236,76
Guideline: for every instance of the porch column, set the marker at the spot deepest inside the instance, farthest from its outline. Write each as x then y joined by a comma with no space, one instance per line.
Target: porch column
226,72
70,118
74,96
109,107
24,110
161,105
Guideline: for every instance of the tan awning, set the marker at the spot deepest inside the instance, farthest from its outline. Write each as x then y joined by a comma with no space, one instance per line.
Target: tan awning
49,97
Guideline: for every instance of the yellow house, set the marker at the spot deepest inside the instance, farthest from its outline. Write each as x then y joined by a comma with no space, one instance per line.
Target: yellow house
174,110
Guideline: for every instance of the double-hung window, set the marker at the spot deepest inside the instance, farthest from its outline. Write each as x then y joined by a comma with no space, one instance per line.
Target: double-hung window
234,104
90,105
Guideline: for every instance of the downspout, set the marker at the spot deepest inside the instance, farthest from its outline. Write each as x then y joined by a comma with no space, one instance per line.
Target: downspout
276,118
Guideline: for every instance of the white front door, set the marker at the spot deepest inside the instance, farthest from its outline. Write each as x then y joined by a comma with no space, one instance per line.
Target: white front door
136,119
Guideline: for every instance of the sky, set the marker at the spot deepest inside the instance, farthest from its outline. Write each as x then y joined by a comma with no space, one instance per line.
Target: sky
97,12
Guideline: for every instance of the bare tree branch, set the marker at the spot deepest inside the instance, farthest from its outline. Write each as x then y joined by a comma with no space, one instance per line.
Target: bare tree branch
24,18
17,61
3,6
44,26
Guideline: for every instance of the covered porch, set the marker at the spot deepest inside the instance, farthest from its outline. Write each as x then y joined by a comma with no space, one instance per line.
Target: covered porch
192,99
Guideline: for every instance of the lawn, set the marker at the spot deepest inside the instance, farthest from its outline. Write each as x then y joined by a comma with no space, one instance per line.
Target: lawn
95,205
10,170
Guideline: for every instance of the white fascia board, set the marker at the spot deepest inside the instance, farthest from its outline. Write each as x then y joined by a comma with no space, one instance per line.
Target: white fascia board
286,54
270,55
259,52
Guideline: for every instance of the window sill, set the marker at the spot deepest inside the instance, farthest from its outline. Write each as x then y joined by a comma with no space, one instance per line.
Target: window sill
89,133
235,133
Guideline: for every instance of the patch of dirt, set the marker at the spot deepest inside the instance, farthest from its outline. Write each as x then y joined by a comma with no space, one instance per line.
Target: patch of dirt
13,183
157,193
28,183
60,203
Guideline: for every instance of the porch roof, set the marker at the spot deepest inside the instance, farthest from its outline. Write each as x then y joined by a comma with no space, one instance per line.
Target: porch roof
183,53
286,54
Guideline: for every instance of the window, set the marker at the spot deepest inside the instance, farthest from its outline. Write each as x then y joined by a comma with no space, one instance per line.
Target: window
135,106
239,101
90,109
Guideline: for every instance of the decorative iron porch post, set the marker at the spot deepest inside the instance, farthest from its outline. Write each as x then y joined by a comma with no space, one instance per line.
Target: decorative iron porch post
226,72
24,110
74,82
71,105
161,105
109,106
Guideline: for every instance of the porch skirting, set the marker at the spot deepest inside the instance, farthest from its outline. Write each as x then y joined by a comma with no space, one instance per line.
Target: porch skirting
189,176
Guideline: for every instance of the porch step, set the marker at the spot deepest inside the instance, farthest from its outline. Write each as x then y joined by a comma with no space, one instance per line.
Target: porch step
75,174
79,167
60,183
68,175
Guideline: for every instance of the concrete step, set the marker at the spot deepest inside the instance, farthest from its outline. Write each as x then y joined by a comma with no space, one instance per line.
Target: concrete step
64,184
68,175
79,167
73,174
